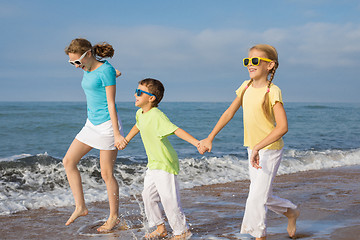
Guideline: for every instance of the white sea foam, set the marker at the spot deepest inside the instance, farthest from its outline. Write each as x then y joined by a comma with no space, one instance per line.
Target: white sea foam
14,157
205,171
297,161
45,185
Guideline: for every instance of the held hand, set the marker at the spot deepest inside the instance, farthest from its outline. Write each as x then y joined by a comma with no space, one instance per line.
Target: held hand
199,148
205,145
118,141
122,145
255,159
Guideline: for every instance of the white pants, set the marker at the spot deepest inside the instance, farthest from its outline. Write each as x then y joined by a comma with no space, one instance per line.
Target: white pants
260,194
161,186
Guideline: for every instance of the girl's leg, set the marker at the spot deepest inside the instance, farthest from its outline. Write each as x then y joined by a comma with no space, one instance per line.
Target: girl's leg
254,221
107,162
285,207
292,215
75,152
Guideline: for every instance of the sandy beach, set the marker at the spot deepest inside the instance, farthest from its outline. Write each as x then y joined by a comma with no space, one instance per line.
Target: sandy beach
329,201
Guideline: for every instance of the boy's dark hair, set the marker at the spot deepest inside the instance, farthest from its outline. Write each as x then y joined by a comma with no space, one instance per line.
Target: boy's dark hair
155,87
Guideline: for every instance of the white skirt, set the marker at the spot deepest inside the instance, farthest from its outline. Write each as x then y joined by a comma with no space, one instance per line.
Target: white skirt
99,136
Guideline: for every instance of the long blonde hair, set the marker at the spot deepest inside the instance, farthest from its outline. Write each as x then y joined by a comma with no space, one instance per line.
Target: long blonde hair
271,54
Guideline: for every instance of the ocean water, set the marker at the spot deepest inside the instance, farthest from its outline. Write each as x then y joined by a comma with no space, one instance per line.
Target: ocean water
34,136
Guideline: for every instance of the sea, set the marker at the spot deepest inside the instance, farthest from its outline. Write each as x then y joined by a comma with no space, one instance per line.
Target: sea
34,137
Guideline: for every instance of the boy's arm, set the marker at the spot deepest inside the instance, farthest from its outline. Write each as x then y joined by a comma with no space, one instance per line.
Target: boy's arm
132,133
186,136
128,138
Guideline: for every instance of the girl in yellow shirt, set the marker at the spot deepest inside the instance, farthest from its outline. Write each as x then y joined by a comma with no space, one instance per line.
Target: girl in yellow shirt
265,123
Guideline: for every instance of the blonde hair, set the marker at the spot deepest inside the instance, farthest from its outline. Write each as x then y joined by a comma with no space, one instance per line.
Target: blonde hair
271,54
81,45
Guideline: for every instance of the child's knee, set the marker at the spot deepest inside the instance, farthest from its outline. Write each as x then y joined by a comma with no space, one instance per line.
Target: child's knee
67,163
107,176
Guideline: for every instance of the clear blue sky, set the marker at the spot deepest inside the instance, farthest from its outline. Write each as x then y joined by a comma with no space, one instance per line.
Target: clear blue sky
195,47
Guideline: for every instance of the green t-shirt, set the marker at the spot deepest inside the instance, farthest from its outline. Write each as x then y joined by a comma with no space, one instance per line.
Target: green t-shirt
154,128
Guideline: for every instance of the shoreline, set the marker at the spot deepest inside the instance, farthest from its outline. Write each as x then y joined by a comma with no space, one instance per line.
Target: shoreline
329,201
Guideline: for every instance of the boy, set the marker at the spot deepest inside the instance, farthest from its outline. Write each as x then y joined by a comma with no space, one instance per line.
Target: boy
160,183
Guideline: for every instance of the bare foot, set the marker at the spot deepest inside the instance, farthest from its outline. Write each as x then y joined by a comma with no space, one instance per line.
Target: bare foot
159,233
262,238
109,224
77,213
292,215
184,236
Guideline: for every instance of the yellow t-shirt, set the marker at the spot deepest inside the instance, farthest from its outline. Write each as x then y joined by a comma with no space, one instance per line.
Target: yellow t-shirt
256,125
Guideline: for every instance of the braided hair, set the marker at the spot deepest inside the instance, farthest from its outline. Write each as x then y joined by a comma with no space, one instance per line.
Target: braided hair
271,53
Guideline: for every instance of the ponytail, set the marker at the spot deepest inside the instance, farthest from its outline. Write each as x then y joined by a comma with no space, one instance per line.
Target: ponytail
103,50
81,45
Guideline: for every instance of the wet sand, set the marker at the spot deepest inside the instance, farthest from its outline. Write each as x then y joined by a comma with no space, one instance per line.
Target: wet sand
329,201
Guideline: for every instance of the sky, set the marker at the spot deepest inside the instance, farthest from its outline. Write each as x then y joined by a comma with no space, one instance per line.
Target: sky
195,47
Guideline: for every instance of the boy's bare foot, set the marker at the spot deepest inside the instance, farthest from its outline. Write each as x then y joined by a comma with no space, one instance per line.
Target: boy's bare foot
262,238
77,213
184,236
292,215
109,224
159,233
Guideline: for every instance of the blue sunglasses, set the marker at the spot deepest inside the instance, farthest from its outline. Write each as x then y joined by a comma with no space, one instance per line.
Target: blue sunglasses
139,92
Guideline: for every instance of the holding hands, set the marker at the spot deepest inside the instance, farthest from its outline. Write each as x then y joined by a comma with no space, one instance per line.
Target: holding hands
204,145
118,138
122,144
